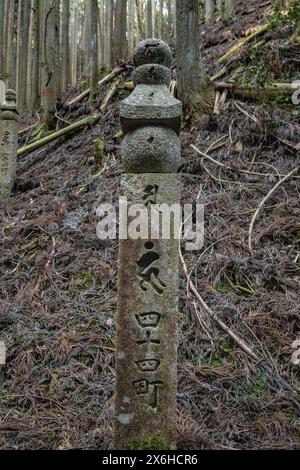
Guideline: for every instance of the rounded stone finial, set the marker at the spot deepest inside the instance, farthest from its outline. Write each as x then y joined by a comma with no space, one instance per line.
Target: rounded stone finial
152,51
10,96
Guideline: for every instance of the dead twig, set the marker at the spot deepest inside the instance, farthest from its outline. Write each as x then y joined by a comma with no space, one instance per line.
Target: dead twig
263,201
103,81
240,342
236,169
111,93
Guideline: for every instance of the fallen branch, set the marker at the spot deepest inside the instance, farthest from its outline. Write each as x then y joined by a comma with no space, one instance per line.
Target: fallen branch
111,93
279,183
260,30
28,128
103,81
255,93
219,74
55,135
240,342
247,172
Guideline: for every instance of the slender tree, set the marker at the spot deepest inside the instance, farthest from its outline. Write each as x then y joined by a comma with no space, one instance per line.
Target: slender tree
23,40
120,29
131,12
139,15
209,11
2,41
229,9
161,19
170,22
149,31
74,41
93,45
194,88
50,66
65,45
36,55
101,30
109,5
11,43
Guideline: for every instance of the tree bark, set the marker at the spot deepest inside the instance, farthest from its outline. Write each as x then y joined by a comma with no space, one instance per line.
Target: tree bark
141,32
120,30
149,32
229,9
131,13
209,11
11,44
161,19
23,37
65,39
36,56
74,42
93,14
194,87
109,33
2,41
101,29
50,68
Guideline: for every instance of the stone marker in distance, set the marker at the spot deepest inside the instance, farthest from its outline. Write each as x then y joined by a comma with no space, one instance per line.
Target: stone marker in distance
148,268
8,143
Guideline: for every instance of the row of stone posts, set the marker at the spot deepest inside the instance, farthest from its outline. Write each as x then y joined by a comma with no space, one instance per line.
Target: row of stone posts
8,140
146,362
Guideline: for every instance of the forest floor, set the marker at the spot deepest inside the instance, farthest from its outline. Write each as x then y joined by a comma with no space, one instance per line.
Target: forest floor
58,283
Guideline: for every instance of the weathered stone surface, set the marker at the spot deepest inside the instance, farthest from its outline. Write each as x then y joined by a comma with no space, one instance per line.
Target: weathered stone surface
152,51
2,92
150,104
151,149
147,326
8,144
152,74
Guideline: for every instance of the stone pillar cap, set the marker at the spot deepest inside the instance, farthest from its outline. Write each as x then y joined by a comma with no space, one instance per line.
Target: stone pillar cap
152,51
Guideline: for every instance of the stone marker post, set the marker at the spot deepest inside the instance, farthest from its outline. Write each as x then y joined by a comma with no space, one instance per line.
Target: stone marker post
148,267
8,143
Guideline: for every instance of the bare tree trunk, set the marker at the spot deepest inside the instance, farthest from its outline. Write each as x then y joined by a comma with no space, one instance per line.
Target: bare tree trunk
194,88
131,25
50,69
141,32
175,18
209,11
149,32
221,8
23,36
101,29
120,29
93,15
109,33
42,16
161,19
74,42
11,45
2,41
30,56
170,22
36,56
65,45
229,9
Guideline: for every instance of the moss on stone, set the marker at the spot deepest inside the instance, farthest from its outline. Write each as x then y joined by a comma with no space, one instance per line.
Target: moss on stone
152,442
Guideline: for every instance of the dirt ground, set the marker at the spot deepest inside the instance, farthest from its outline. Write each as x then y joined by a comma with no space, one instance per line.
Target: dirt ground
58,280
